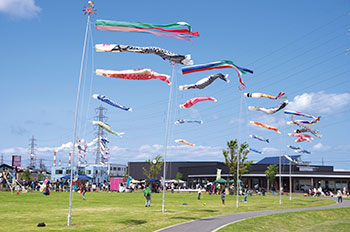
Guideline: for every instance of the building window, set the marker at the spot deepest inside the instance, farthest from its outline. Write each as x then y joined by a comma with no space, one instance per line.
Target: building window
114,168
59,171
118,168
304,185
88,172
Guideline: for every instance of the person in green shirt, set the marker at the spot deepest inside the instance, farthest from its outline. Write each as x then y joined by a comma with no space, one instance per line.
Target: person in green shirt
147,194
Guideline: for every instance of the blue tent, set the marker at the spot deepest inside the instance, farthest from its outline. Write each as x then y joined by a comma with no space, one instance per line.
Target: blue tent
80,177
152,180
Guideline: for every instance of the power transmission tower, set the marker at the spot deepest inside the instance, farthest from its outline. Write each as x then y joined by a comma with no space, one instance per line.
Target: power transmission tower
2,159
100,111
32,154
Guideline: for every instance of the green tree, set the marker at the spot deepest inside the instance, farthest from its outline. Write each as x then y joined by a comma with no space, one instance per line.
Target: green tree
178,176
41,177
154,167
233,155
270,173
125,175
26,175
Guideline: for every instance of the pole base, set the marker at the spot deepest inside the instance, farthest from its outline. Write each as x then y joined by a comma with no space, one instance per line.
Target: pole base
69,220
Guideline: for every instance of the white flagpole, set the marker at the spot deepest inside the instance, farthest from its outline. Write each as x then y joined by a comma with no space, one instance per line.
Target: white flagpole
75,123
290,180
280,180
166,137
239,147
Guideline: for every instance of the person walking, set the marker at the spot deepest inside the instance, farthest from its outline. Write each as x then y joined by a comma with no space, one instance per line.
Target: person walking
147,195
340,198
83,190
273,190
199,192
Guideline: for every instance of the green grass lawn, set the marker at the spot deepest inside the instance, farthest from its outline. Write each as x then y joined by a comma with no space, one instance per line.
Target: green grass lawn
318,220
105,211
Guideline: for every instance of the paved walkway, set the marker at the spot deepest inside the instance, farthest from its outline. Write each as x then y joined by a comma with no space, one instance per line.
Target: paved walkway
214,223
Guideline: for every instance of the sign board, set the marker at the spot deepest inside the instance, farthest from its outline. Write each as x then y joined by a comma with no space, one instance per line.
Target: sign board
306,169
16,161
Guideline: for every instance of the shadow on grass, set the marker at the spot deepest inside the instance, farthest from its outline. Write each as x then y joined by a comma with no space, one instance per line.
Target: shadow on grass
208,210
134,222
185,218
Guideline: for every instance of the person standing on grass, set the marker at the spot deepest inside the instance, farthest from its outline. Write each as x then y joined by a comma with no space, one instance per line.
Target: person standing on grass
199,192
147,194
223,196
83,190
340,198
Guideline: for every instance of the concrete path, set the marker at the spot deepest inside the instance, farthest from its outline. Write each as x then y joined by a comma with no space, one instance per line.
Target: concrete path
216,223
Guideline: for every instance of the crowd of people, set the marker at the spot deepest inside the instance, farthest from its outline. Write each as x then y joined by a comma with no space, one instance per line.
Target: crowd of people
319,192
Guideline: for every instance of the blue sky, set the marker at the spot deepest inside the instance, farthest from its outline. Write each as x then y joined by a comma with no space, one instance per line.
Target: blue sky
297,47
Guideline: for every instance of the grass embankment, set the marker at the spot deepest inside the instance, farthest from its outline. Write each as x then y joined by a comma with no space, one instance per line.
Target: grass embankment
316,220
104,211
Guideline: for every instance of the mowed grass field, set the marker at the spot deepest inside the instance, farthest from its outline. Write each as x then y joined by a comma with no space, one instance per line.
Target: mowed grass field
109,211
316,220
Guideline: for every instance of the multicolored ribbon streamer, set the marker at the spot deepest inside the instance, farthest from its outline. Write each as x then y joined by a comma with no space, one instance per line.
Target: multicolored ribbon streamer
217,65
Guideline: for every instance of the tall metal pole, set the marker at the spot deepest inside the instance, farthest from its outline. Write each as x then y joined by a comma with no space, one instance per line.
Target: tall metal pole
290,180
239,147
280,179
166,137
75,124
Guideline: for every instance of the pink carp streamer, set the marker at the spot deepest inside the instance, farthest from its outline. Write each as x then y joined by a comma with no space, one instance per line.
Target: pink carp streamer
184,142
195,100
263,125
134,74
301,137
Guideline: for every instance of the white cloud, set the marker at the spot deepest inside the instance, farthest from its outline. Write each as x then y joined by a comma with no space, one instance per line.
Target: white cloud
194,113
320,147
236,121
64,146
19,8
270,151
319,102
14,150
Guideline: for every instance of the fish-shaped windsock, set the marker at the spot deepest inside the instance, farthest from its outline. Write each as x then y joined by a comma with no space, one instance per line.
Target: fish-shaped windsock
256,151
184,142
299,149
271,110
297,113
105,99
301,137
107,127
134,74
195,100
201,84
165,54
259,138
290,159
182,121
263,125
260,95
218,65
304,128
